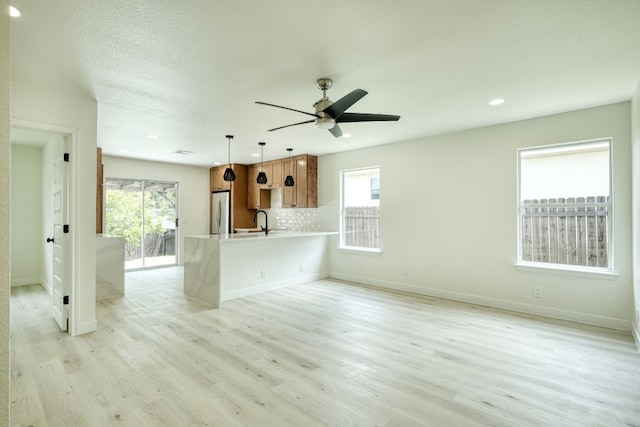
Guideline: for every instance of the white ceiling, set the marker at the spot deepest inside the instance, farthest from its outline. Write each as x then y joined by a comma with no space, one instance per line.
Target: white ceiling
191,70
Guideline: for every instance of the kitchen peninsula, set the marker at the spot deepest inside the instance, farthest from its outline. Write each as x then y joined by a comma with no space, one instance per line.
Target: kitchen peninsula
223,267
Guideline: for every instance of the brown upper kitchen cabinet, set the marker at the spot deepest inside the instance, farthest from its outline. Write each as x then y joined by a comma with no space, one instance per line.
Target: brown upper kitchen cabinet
241,217
275,180
267,169
217,181
304,193
272,169
258,196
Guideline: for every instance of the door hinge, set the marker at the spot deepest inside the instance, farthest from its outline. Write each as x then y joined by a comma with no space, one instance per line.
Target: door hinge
66,157
176,222
65,228
65,300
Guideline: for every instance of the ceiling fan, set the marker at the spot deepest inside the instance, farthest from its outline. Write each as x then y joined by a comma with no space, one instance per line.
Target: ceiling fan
328,113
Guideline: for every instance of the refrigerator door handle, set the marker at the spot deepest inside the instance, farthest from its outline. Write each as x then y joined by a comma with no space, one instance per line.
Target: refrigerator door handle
219,215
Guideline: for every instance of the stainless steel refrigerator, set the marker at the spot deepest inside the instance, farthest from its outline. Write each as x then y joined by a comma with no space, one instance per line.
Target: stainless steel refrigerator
220,212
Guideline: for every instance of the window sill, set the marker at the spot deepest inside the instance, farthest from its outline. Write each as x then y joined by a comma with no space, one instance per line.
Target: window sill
351,249
563,270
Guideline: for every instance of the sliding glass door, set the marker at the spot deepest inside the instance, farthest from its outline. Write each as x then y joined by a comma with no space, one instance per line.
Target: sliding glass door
144,213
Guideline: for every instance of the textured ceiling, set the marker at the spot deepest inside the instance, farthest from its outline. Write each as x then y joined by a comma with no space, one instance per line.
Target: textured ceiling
191,70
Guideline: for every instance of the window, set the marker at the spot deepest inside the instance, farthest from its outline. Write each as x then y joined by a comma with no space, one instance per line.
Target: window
375,188
360,225
565,205
144,213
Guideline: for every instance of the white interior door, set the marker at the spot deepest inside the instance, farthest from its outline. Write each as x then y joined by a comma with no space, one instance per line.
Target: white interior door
60,245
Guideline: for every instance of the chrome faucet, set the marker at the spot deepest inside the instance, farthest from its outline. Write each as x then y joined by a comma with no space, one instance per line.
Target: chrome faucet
266,220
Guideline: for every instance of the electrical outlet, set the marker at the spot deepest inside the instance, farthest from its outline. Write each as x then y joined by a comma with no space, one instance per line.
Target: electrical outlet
537,291
405,271
263,274
301,268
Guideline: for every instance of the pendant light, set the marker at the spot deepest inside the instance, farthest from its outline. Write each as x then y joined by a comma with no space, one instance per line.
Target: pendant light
229,174
262,177
288,182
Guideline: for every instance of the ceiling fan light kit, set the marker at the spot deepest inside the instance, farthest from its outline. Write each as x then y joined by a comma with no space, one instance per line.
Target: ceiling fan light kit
328,113
325,123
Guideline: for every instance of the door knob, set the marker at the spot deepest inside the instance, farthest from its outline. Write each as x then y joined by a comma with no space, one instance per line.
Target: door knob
49,239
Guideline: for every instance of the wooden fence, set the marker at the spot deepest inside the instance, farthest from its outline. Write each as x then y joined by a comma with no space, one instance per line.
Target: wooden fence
570,231
155,245
362,226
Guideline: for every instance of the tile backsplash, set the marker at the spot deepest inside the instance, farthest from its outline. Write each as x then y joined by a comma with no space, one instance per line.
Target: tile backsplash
299,219
323,218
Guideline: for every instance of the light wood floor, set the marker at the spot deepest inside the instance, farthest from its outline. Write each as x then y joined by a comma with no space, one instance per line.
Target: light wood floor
323,353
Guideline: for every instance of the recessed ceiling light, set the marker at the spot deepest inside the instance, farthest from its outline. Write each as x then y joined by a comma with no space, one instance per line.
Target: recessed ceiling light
255,155
346,135
14,12
152,136
496,101
124,150
217,163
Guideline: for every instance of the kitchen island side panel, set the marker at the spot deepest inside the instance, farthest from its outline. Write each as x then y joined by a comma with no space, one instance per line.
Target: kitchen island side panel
202,269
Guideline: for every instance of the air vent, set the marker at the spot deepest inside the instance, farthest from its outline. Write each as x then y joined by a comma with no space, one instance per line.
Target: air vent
183,152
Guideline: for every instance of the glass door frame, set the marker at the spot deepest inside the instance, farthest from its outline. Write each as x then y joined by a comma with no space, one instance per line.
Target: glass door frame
143,240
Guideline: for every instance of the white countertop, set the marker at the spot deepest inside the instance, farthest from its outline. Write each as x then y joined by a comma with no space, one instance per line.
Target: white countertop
276,234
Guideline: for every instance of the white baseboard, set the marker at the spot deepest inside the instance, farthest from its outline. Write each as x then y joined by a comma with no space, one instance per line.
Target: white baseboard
46,285
226,296
636,336
25,281
551,312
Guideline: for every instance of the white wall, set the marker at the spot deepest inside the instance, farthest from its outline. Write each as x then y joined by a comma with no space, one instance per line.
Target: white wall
5,208
193,190
448,209
26,213
40,108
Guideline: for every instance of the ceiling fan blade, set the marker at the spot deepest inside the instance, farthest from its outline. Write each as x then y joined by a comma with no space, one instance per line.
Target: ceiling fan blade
362,117
336,109
287,108
294,124
336,131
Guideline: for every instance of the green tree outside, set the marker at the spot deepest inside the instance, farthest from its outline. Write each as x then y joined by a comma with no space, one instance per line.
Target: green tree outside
123,215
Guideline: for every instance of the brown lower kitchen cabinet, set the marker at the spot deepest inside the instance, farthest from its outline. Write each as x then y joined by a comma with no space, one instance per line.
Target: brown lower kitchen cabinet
304,193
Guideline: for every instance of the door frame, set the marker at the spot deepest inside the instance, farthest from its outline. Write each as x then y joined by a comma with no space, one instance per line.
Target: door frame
60,240
73,272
